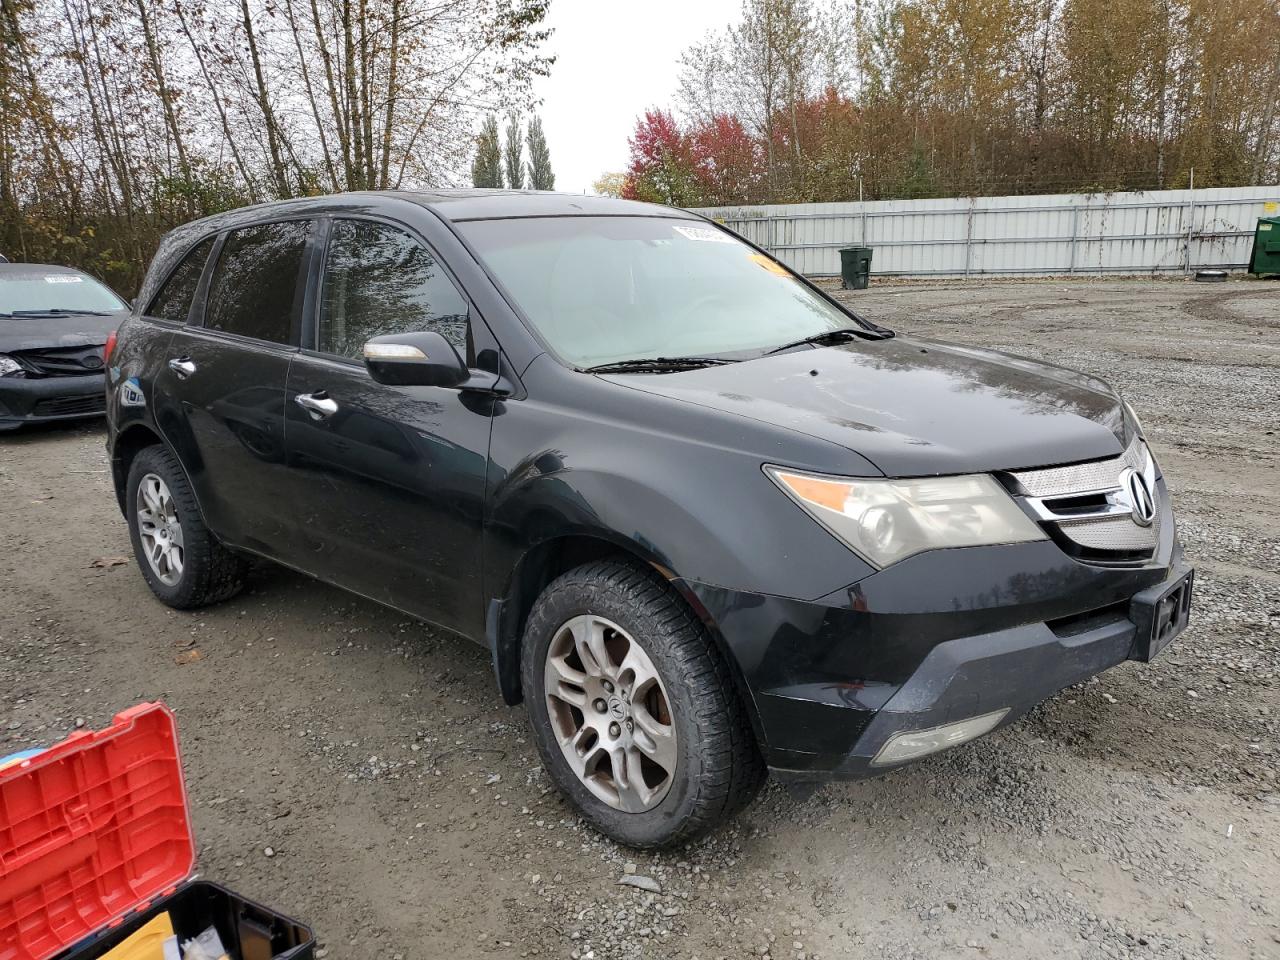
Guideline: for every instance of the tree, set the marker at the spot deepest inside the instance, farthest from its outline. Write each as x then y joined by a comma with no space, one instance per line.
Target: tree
513,154
891,98
540,175
780,54
728,163
610,185
662,167
121,118
486,169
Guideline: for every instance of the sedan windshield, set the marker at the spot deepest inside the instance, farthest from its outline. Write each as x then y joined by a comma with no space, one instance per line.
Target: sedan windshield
602,290
34,292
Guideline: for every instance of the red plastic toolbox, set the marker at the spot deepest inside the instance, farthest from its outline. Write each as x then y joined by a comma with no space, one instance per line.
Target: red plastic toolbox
95,839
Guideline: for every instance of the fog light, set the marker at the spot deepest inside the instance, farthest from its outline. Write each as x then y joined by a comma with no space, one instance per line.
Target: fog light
912,744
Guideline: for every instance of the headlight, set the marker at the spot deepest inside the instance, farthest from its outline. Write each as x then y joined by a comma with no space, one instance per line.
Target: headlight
10,367
884,521
1132,416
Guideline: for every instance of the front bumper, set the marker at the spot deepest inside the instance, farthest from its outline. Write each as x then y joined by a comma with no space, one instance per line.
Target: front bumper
41,399
939,638
1009,670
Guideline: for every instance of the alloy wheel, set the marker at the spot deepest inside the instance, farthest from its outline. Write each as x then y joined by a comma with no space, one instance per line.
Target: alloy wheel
610,713
159,529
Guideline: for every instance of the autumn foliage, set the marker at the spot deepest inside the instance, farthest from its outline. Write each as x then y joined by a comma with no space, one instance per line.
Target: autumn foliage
804,102
122,118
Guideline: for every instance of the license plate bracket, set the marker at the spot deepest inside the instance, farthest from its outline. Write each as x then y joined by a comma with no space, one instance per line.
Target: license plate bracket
1160,614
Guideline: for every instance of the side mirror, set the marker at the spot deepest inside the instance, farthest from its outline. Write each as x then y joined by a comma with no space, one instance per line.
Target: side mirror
414,360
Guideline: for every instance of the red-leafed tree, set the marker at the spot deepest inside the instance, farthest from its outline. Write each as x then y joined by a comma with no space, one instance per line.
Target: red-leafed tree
728,161
662,168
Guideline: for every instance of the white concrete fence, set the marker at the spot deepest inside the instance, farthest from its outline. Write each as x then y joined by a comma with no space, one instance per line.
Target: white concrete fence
1163,231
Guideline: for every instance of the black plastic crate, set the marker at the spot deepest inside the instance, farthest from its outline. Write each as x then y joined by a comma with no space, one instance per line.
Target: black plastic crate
248,930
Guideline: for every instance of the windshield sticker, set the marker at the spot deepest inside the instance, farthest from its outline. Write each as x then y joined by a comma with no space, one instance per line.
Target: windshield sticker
131,394
772,266
704,234
64,279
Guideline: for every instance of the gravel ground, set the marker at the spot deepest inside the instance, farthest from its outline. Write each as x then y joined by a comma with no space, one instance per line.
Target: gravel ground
359,771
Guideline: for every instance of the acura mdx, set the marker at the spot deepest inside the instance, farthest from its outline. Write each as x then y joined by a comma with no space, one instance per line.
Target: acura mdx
709,523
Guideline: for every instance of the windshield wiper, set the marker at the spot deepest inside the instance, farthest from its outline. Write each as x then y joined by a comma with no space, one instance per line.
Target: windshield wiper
57,313
829,337
650,364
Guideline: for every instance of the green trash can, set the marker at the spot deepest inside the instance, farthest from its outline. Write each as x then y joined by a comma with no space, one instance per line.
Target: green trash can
1266,247
855,267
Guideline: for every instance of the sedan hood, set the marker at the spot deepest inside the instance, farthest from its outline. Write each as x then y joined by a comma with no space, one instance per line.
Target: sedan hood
915,407
76,330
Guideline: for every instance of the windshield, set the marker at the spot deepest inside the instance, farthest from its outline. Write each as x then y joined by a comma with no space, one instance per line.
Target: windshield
34,291
607,289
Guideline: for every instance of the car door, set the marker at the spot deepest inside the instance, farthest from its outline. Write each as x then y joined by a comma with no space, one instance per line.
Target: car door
390,479
224,382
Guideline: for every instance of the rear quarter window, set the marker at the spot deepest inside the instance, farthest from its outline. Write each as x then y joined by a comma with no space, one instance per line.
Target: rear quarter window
173,301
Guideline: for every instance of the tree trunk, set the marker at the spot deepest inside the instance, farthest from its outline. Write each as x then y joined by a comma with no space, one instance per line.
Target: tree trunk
311,97
166,98
264,104
388,123
236,155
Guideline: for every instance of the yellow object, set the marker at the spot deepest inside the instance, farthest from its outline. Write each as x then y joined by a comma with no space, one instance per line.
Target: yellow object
145,944
1270,206
776,269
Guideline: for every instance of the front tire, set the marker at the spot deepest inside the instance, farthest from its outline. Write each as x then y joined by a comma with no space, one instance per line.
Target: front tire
181,560
633,708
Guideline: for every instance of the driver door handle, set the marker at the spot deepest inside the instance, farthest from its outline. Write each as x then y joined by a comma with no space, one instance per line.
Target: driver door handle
318,404
182,366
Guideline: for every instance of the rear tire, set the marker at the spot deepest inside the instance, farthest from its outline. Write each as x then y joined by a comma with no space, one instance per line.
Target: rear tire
603,758
181,560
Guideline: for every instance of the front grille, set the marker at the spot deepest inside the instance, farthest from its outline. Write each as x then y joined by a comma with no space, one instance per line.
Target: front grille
1085,507
61,361
67,406
1080,478
1114,534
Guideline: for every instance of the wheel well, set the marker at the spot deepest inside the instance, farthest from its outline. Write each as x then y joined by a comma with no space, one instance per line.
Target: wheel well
536,569
507,615
128,445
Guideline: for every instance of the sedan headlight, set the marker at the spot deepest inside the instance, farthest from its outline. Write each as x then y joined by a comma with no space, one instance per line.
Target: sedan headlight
884,521
10,367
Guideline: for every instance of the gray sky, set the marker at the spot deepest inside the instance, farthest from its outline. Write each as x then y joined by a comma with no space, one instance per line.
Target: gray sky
614,60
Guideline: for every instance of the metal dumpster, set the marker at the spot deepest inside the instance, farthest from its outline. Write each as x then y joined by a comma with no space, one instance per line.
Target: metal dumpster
1266,247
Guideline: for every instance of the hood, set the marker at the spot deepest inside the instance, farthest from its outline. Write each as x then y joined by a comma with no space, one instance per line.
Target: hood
77,330
915,407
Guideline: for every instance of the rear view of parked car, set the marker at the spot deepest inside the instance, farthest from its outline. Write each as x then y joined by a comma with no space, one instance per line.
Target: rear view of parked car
708,522
54,322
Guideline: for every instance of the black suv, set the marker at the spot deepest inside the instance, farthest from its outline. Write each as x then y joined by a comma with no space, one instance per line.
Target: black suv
708,521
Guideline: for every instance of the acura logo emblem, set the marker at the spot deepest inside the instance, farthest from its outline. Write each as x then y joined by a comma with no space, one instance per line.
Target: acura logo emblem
1142,501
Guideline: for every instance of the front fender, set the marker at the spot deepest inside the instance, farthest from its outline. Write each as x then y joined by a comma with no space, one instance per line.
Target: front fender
720,521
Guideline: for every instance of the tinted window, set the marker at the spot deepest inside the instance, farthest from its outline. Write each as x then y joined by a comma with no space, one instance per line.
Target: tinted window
255,285
173,302
378,280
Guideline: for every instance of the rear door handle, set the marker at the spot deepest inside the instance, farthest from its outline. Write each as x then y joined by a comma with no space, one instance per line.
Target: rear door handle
318,404
182,366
